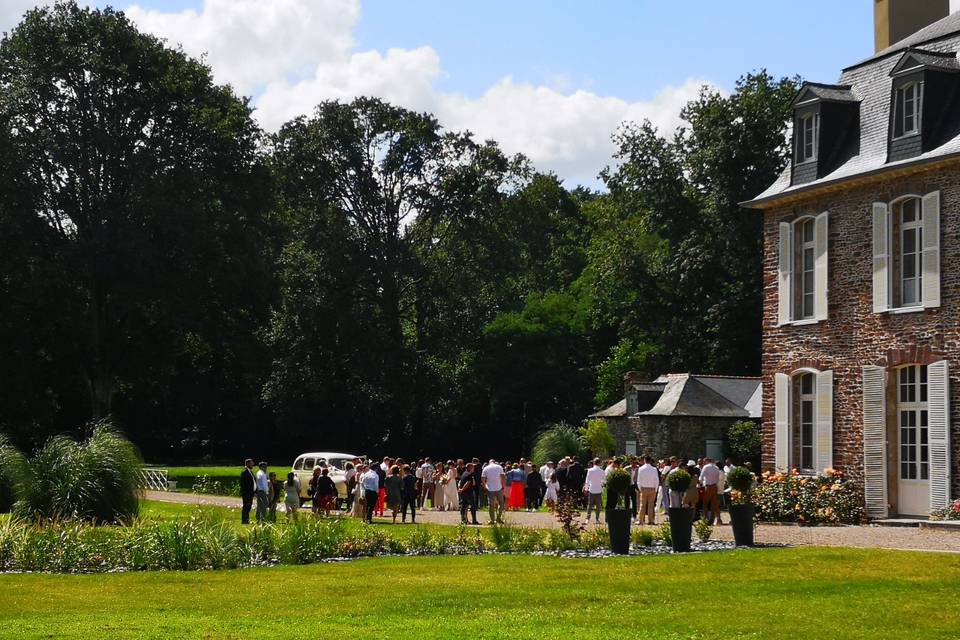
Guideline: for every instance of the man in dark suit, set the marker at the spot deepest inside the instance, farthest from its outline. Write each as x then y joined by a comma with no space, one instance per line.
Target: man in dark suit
576,476
247,487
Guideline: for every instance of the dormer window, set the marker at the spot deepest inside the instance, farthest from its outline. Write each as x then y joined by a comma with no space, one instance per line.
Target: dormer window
907,109
808,133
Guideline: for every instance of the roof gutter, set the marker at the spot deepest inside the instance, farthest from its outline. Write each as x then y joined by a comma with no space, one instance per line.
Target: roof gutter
905,167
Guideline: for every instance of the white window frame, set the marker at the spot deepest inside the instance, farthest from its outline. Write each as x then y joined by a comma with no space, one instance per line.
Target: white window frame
810,442
803,248
807,122
917,407
900,103
916,227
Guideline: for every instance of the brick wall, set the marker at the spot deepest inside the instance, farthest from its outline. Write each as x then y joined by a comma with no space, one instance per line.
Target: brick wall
853,335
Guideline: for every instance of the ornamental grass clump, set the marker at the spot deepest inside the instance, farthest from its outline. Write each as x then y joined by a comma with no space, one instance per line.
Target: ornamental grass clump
12,471
97,480
829,498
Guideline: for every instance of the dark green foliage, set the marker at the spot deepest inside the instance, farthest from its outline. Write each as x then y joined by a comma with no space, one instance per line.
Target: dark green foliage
678,480
557,442
744,441
740,479
96,480
618,483
364,278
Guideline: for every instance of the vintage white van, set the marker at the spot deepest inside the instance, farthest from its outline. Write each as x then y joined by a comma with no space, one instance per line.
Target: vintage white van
303,468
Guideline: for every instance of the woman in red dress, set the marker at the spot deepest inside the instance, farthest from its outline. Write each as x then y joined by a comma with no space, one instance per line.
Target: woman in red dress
516,501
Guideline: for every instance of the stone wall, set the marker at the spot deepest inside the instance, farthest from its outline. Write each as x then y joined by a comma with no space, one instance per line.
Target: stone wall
853,335
681,436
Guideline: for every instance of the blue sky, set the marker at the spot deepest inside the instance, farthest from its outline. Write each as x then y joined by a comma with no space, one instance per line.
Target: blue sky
626,48
552,79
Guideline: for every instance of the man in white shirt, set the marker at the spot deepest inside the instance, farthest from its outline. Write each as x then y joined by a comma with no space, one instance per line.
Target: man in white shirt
263,487
493,479
593,488
370,481
709,480
648,480
426,484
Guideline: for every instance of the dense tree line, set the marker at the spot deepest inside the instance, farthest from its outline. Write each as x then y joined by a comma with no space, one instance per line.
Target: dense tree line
362,279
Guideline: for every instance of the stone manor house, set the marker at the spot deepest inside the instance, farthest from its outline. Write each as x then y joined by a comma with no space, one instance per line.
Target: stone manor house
861,322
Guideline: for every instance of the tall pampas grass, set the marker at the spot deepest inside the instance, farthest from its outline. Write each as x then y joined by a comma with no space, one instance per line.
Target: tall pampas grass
12,471
97,480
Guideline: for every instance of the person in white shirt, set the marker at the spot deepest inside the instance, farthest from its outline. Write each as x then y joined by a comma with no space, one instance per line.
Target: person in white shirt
547,470
493,479
710,480
593,488
425,473
263,487
648,480
370,481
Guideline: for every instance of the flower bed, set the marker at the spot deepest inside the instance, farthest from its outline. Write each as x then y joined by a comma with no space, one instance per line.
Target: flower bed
203,542
949,512
829,498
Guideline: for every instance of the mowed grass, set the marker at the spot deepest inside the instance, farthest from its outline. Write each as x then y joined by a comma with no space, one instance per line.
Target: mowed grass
766,593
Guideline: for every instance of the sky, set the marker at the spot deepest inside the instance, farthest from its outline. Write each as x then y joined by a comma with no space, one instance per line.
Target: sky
552,79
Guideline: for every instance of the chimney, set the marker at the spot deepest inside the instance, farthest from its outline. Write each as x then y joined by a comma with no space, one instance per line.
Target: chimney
631,378
894,20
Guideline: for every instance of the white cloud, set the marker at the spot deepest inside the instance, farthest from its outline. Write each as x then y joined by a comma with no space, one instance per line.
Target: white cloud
11,12
252,42
290,55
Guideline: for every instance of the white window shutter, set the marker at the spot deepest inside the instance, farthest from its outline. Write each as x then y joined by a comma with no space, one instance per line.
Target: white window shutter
931,250
820,237
881,257
781,439
785,273
938,432
823,455
875,441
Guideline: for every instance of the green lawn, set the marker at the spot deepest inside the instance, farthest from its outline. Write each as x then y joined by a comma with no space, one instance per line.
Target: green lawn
768,593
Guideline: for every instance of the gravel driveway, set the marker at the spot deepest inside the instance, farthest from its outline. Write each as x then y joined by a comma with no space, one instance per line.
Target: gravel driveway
870,536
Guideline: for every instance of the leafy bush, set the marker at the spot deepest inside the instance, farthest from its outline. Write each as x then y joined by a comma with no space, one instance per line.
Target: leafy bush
949,512
642,537
12,470
703,529
618,483
557,442
665,533
568,515
96,480
744,441
211,486
740,479
824,499
678,480
593,539
596,436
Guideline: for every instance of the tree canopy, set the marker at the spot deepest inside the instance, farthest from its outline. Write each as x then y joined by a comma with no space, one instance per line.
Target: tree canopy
362,279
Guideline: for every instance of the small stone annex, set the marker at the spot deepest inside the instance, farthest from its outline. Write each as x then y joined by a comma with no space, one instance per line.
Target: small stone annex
680,414
861,320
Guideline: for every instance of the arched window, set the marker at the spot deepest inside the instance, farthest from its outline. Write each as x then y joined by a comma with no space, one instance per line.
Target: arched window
803,427
908,266
804,269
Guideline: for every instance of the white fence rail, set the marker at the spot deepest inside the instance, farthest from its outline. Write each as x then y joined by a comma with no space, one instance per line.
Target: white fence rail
154,479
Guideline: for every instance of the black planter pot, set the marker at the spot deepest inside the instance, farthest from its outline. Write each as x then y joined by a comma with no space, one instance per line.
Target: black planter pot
681,527
618,525
741,520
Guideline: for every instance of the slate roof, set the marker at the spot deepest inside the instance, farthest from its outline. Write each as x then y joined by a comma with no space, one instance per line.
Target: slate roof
617,410
870,83
707,397
830,92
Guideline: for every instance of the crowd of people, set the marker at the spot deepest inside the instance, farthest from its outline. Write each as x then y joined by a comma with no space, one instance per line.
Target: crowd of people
404,488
